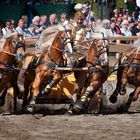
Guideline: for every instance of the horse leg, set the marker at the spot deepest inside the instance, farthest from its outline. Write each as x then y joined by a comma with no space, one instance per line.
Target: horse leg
116,92
78,86
2,97
4,84
35,92
124,80
27,86
136,94
94,86
132,97
56,78
94,105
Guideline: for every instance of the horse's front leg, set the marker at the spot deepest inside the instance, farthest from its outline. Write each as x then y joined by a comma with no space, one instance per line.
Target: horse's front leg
4,84
124,80
57,76
132,97
78,86
35,92
97,80
116,92
135,95
27,86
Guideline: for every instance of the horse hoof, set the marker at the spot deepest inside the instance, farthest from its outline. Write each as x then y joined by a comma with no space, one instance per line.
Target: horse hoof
113,99
30,110
79,105
69,113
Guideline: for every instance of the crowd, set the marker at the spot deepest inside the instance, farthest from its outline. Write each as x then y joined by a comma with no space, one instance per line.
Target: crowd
121,23
35,2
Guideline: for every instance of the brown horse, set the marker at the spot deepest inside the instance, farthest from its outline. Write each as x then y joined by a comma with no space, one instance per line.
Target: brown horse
46,72
11,53
128,73
97,62
52,56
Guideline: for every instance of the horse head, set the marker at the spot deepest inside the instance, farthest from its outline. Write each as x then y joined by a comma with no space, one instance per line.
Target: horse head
101,44
16,45
62,43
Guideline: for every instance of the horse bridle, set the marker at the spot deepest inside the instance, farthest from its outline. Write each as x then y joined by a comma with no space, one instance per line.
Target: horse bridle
65,41
103,48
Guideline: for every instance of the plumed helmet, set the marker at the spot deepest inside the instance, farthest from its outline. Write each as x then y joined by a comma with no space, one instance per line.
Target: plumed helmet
78,7
78,15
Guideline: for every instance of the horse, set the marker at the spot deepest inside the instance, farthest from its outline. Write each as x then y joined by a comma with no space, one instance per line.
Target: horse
54,54
128,72
12,52
97,63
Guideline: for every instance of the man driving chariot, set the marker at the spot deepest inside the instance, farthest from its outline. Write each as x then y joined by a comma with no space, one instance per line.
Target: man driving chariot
80,31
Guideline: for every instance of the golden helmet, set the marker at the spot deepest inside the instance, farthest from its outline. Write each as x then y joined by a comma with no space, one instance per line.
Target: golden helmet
78,15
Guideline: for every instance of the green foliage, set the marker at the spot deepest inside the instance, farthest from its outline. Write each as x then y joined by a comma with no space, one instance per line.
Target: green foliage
120,4
80,1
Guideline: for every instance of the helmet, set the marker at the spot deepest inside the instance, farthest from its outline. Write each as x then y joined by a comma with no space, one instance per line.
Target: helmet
78,7
78,15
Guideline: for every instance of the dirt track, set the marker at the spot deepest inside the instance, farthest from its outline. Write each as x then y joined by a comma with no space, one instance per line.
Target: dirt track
54,125
60,127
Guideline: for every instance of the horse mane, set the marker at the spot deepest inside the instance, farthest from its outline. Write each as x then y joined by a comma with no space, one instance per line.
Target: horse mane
136,44
99,32
49,34
2,42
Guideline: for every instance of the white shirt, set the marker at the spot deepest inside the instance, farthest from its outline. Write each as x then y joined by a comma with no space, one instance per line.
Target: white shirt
6,31
126,32
138,3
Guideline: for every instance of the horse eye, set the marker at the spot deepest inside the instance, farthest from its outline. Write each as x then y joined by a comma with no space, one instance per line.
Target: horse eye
14,42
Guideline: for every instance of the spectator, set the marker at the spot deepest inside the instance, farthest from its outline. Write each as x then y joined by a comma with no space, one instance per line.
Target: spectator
7,29
31,31
113,29
125,28
25,18
36,22
53,19
43,21
118,25
13,26
64,18
88,13
136,30
21,27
